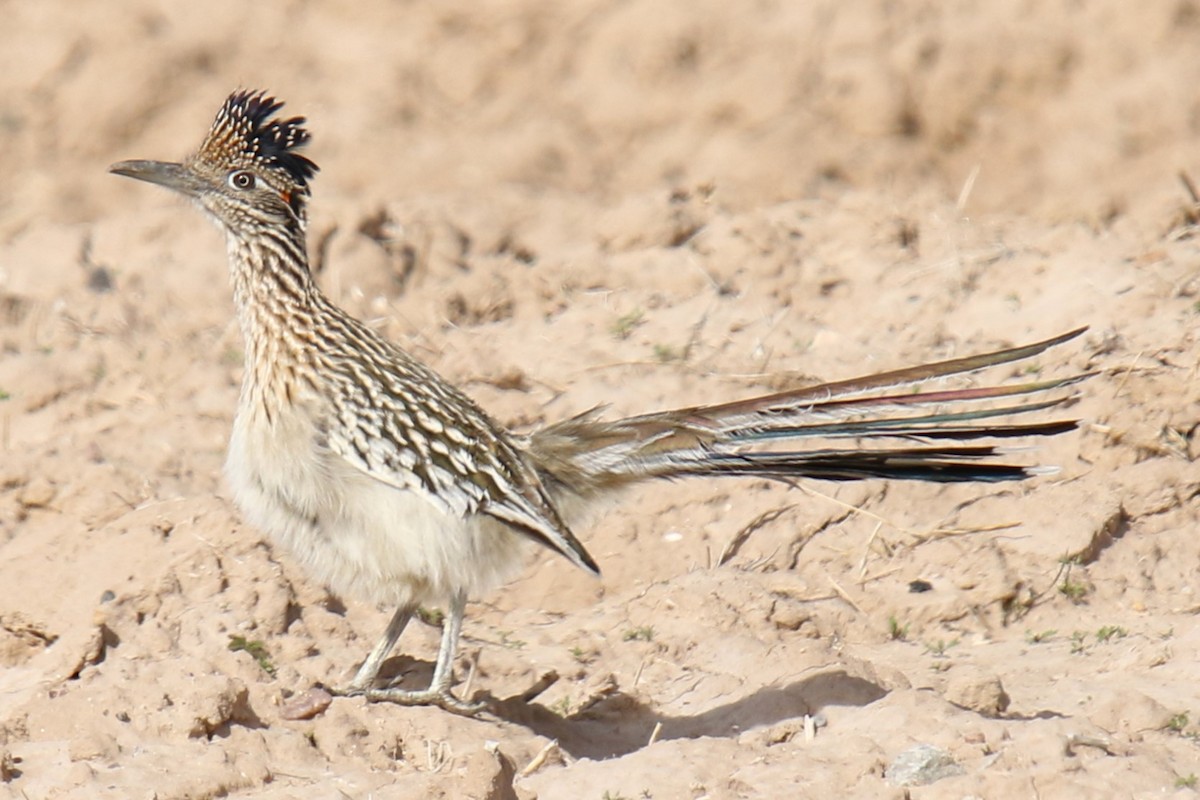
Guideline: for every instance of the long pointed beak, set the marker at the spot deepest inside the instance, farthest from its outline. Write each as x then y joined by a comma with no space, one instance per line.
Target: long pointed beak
164,173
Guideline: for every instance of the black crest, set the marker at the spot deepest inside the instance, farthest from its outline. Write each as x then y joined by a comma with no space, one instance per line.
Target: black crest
245,134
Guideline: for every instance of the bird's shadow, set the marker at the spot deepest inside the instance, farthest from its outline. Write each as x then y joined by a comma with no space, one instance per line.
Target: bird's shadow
620,724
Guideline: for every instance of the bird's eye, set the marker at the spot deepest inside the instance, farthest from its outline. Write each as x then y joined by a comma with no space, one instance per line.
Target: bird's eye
242,180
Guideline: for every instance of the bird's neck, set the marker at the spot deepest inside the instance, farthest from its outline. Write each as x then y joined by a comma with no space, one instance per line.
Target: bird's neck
277,303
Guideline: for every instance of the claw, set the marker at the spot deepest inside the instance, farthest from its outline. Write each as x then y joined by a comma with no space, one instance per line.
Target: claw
429,697
438,694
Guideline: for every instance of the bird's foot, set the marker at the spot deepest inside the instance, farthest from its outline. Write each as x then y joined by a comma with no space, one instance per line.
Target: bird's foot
442,698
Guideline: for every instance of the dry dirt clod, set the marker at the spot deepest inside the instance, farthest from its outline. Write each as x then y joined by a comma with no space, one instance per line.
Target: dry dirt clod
977,690
306,705
38,493
8,766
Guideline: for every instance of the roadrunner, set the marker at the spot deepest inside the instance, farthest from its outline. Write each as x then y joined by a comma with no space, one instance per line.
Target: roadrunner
387,482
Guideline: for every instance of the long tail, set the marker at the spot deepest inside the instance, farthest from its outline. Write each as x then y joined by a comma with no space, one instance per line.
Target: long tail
909,434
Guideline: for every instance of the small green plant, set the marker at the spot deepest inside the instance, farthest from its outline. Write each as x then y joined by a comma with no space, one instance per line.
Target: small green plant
431,616
1186,781
627,322
665,353
562,707
257,651
1111,632
506,640
1079,642
579,654
4,395
1040,636
610,796
896,631
1178,722
645,633
939,648
1073,590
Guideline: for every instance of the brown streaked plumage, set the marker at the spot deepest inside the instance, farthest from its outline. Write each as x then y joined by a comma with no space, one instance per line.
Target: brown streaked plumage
387,482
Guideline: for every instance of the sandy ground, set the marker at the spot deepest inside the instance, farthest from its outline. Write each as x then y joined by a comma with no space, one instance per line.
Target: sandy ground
645,204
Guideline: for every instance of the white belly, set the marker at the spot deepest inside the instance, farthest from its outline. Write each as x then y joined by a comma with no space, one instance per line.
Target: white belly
357,535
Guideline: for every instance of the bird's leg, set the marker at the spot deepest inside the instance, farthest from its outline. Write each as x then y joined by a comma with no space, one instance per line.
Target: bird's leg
443,671
438,693
369,671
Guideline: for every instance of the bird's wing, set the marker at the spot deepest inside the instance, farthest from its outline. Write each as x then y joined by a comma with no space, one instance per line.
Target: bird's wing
412,430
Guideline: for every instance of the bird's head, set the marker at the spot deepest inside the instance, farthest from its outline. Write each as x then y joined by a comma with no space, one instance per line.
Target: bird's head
247,173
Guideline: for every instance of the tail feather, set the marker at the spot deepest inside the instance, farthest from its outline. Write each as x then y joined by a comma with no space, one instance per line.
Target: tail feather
826,393
918,399
927,426
587,454
941,464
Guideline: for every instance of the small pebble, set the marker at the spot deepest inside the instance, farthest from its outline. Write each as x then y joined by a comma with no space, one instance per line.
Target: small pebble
100,280
789,616
37,493
306,705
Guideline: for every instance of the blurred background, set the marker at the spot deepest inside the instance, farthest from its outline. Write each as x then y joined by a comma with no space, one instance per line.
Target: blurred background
1071,109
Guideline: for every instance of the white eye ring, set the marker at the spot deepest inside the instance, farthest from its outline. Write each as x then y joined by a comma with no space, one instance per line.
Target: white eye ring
242,180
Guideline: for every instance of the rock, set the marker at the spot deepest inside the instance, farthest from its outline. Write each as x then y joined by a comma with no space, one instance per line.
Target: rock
306,705
204,706
789,616
8,766
921,765
38,493
977,690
